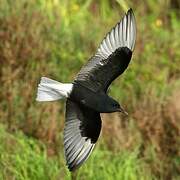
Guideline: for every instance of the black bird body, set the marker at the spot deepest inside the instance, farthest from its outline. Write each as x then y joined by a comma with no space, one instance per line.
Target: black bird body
87,95
91,92
97,101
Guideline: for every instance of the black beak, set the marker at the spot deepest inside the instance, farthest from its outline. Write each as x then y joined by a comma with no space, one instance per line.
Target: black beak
123,111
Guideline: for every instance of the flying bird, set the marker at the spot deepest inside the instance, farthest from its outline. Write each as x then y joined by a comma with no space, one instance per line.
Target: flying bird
87,95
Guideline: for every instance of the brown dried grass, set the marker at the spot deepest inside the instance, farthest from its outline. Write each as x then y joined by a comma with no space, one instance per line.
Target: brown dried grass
152,125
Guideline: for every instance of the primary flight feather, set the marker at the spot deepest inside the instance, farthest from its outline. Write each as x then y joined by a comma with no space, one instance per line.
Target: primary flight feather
87,94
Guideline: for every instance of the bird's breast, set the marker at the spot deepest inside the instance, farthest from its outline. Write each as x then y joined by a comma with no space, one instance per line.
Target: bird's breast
87,97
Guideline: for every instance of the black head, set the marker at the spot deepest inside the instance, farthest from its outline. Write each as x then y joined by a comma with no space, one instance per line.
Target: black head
113,106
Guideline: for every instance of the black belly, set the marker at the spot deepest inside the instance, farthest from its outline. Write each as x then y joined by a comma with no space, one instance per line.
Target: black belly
93,100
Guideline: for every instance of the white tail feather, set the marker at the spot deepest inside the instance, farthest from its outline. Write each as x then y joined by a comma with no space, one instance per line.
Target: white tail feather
51,90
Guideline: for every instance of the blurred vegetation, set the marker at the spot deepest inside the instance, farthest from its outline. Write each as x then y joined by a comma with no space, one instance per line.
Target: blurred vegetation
54,38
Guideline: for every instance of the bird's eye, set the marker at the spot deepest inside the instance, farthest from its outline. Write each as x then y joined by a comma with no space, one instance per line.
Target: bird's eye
116,105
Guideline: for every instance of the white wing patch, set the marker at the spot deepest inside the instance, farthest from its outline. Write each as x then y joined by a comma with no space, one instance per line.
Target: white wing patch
122,35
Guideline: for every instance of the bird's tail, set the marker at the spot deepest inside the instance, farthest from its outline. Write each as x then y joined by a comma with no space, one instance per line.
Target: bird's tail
51,90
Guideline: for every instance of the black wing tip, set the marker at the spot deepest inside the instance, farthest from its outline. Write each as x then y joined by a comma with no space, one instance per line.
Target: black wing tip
130,11
73,166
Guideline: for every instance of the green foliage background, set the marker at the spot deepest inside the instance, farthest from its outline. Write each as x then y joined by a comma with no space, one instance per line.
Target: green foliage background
54,38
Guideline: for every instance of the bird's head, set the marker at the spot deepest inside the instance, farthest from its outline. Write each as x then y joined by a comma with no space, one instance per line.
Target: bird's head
114,106
117,108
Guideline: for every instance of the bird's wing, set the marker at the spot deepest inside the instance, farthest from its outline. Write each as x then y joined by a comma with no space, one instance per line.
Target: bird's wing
82,129
112,56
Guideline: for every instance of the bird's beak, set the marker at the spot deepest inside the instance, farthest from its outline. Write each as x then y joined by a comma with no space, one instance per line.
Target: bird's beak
123,111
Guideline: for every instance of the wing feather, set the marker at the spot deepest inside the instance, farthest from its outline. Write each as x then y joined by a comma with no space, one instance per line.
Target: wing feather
82,129
112,56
